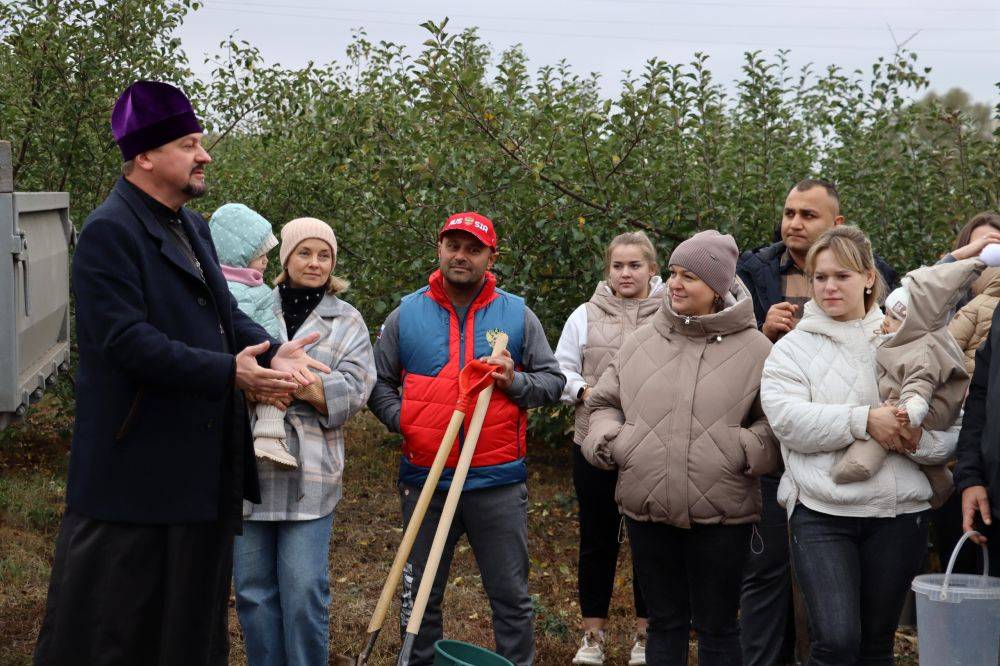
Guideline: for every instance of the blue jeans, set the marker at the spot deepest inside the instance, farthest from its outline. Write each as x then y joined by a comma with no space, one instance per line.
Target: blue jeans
854,574
281,572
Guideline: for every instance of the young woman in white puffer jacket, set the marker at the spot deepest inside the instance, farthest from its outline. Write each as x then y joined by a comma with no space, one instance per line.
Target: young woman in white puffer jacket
857,546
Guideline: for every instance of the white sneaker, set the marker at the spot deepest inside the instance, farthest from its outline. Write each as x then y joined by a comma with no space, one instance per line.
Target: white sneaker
591,650
638,655
275,451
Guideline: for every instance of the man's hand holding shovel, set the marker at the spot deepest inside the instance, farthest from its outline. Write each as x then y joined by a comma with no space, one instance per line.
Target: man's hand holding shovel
505,376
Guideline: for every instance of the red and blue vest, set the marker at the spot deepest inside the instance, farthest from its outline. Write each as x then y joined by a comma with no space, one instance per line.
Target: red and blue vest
433,348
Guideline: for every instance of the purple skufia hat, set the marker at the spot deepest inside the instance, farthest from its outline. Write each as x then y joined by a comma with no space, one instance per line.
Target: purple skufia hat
150,114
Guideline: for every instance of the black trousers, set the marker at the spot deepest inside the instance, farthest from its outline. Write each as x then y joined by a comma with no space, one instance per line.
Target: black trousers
600,524
691,580
946,530
155,595
767,616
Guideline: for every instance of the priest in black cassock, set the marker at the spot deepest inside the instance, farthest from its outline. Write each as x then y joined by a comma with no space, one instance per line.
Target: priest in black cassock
162,457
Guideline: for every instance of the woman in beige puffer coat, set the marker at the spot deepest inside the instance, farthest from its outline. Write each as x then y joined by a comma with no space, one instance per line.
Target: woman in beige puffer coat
678,414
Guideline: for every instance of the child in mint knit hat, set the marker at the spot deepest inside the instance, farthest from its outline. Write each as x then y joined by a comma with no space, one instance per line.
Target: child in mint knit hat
242,239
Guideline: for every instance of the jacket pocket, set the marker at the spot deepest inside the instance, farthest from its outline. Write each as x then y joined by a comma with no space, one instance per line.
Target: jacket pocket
130,417
733,449
622,446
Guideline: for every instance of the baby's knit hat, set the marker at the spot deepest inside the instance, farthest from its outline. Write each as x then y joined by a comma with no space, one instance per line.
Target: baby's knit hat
711,256
897,302
299,230
240,234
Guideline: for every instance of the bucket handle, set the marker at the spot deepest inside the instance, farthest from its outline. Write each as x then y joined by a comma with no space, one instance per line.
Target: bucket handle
954,556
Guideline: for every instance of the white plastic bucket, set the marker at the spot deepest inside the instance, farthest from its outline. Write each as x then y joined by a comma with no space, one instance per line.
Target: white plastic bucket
958,616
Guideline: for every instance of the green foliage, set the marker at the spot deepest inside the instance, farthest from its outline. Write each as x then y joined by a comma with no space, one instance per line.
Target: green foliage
548,622
385,146
62,64
957,101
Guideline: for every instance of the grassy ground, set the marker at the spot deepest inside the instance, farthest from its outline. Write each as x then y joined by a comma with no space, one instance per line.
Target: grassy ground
366,532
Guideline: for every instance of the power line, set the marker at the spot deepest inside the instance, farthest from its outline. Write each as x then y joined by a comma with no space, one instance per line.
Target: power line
545,19
756,5
630,38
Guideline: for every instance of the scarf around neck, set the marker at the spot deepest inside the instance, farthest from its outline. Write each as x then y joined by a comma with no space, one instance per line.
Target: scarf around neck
297,303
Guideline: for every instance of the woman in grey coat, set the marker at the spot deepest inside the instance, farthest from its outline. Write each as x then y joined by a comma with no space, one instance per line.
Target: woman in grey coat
281,566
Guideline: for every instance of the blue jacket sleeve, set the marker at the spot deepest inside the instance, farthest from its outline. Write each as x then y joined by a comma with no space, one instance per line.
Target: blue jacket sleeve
248,332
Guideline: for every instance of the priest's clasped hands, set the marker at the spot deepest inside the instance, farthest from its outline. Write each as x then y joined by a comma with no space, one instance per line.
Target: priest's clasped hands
289,368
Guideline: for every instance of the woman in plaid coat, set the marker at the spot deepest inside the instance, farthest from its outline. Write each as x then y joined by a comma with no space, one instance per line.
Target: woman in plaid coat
282,559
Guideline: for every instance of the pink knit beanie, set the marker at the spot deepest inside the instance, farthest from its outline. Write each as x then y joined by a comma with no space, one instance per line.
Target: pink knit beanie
711,256
300,229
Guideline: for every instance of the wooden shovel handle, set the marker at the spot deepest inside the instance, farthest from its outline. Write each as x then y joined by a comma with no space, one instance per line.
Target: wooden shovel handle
451,502
426,494
413,526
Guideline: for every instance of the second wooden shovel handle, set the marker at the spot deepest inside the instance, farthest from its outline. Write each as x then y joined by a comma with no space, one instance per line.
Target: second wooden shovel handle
426,494
451,503
417,517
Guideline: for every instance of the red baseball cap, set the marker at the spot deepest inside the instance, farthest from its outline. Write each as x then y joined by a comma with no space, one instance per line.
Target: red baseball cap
472,223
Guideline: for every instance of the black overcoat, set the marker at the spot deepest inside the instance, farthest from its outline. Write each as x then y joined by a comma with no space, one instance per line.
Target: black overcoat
155,419
979,441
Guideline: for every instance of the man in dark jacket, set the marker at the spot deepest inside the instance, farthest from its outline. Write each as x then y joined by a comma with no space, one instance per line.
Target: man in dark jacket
774,273
161,457
977,473
775,276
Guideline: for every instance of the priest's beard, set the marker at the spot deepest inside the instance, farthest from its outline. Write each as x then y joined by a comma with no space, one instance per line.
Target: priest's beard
194,191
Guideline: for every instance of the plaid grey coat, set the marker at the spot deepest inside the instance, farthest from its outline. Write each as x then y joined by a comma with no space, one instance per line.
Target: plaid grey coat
317,441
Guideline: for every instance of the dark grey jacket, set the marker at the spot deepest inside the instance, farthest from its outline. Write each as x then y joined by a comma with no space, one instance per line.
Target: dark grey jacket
979,442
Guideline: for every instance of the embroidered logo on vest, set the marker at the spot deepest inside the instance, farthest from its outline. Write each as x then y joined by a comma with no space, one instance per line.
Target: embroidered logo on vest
491,335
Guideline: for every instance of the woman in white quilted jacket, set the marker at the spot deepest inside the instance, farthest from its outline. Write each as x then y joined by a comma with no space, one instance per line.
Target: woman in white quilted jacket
857,546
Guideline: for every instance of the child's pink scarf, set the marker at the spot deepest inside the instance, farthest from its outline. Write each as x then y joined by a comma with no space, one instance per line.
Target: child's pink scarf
247,276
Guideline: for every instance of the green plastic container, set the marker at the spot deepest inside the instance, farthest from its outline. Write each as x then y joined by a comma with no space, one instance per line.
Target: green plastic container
457,653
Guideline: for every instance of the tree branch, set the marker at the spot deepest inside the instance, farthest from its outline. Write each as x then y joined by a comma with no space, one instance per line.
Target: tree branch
233,125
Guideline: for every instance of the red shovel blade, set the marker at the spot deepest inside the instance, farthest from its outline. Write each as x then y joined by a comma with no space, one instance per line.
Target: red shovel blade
475,376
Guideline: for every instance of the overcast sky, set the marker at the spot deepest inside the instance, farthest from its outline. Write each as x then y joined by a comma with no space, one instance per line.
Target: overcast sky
960,40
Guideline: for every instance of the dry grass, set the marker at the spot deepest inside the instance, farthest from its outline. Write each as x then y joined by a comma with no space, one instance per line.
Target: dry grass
366,532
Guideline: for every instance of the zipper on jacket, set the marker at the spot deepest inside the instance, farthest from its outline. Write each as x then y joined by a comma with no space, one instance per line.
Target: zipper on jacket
461,356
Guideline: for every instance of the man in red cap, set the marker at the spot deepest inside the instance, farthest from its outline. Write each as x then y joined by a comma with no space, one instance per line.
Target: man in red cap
423,345
161,459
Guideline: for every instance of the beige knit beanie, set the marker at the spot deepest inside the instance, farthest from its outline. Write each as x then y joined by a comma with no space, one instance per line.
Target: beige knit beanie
711,256
300,229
